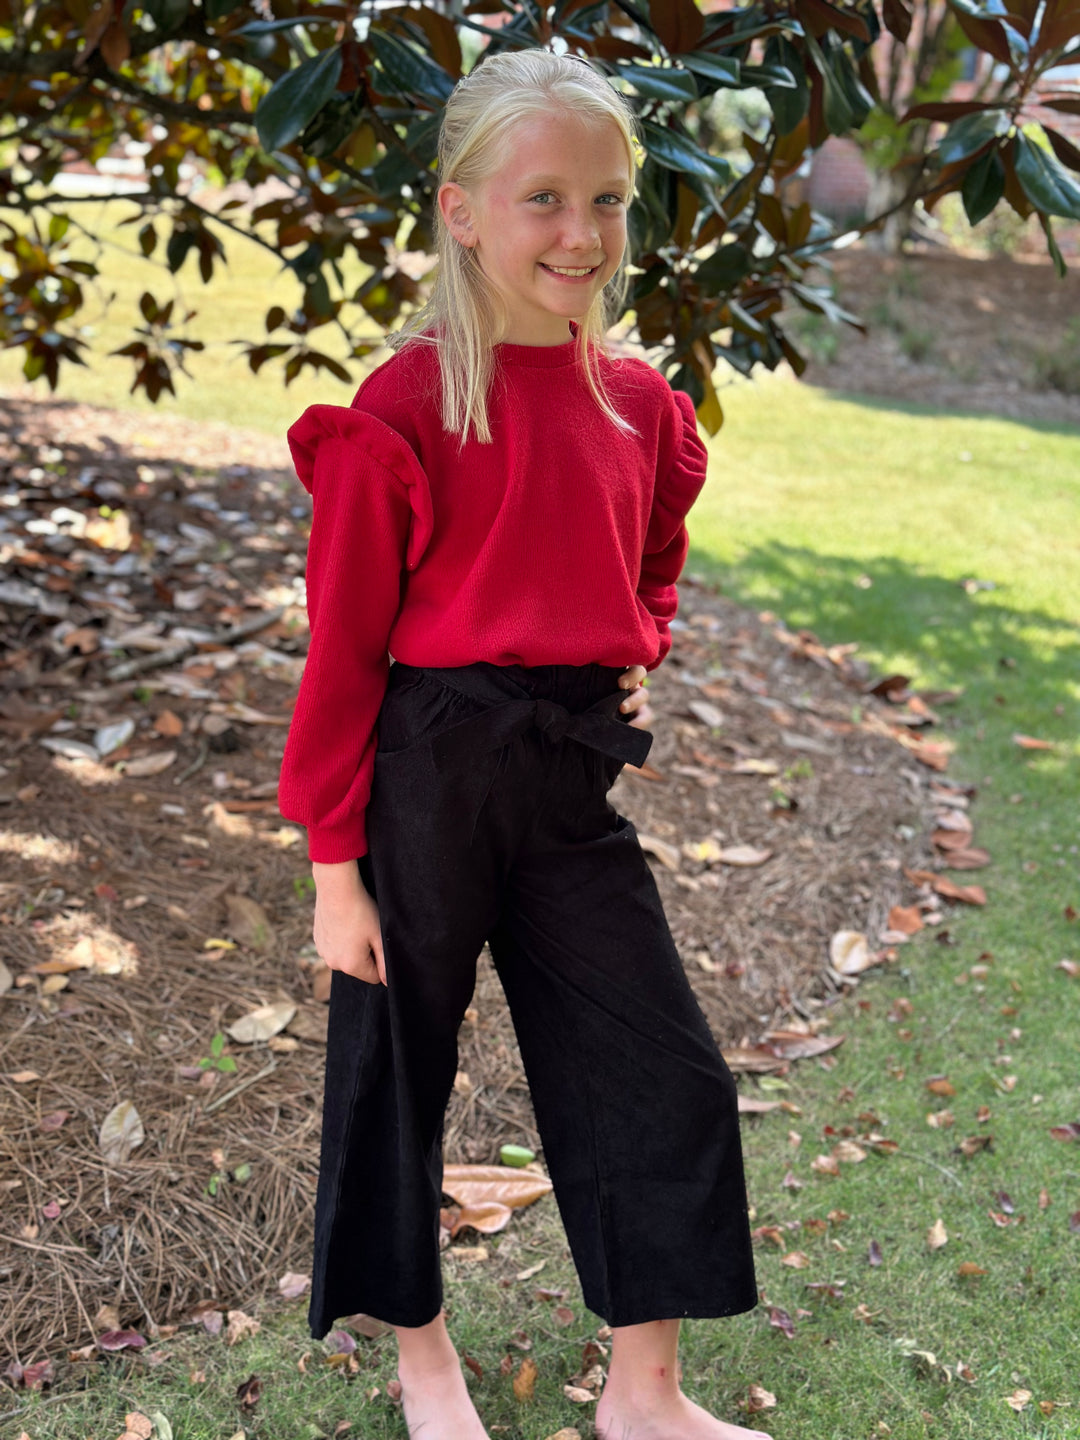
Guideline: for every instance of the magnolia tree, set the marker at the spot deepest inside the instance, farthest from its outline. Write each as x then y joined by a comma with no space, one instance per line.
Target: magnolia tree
323,114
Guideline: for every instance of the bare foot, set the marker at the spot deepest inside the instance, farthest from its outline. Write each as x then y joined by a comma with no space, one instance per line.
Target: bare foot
437,1402
671,1417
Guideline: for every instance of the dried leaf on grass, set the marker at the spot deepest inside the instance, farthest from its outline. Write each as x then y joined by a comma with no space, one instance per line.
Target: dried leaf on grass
292,1285
121,1340
849,952
525,1379
475,1185
488,1217
760,1399
239,1326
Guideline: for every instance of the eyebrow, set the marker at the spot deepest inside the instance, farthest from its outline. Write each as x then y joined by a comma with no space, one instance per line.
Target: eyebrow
531,182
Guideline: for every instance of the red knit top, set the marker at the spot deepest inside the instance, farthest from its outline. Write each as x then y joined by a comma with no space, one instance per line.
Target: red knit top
558,543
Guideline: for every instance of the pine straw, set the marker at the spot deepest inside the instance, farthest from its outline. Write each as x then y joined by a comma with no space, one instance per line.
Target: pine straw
145,1236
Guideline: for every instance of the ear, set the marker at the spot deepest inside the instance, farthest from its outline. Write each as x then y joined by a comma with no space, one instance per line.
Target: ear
456,211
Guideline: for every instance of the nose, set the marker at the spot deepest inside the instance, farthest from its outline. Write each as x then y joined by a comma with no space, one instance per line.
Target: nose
581,231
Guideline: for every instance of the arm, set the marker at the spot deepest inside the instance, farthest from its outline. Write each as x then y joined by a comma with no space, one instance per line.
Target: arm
667,540
362,531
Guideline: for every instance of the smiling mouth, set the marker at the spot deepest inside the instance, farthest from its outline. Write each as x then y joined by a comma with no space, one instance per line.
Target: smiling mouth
577,273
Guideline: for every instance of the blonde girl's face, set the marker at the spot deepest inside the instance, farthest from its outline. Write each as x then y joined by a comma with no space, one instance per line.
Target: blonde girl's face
548,227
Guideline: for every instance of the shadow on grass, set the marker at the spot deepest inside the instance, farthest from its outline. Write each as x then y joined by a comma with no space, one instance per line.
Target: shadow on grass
1024,663
896,406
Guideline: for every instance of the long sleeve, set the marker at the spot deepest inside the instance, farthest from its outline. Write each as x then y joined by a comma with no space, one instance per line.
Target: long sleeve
371,521
667,540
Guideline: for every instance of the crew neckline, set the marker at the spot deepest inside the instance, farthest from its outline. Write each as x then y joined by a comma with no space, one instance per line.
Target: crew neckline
546,357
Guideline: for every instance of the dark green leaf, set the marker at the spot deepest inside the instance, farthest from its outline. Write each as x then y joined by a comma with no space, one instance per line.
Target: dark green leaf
290,22
743,320
679,152
984,185
821,302
724,69
408,70
787,105
1051,189
294,99
722,271
860,102
167,15
1052,246
661,82
220,9
971,133
775,77
688,380
180,242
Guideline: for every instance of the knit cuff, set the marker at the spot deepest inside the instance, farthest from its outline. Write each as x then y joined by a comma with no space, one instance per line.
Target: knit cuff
333,844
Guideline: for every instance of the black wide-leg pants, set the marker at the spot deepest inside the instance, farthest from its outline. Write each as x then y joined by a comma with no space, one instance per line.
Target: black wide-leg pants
489,821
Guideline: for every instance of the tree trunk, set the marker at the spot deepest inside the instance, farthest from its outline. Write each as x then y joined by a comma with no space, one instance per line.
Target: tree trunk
886,189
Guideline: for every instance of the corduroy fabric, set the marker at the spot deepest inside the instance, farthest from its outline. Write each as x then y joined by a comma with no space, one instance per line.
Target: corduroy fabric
636,1108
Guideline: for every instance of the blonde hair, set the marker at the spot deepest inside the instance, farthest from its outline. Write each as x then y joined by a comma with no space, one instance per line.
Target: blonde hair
464,314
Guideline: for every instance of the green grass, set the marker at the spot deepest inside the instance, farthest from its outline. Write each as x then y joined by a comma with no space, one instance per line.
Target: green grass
811,496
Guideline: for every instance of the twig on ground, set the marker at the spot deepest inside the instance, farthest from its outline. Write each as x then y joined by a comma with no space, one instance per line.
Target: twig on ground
159,658
222,1099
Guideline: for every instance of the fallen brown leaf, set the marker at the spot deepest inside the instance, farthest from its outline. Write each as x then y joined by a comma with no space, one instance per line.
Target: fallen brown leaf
1018,1400
760,1399
248,922
905,918
972,1144
291,1285
525,1379
970,859
937,1235
474,1185
849,952
239,1326
743,856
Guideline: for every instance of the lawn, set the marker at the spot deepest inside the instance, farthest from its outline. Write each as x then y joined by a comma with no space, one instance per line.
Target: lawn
862,521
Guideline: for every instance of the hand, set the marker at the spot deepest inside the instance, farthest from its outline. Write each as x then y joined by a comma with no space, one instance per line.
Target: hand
636,703
346,930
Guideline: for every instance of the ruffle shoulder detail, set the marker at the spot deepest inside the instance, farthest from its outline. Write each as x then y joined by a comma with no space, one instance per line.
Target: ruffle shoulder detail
373,443
680,484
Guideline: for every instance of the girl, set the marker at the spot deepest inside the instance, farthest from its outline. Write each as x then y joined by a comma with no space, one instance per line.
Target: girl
502,508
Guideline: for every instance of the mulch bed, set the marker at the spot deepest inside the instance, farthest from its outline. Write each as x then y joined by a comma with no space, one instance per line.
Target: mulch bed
118,869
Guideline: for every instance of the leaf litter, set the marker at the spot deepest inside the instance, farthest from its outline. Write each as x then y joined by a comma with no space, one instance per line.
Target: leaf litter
157,907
